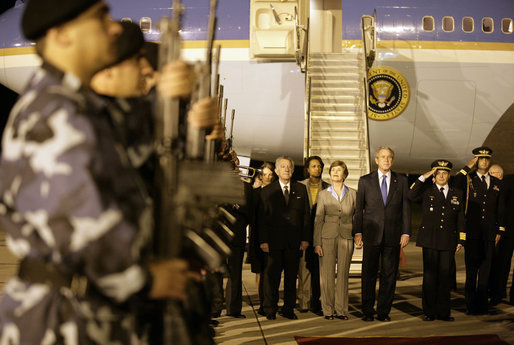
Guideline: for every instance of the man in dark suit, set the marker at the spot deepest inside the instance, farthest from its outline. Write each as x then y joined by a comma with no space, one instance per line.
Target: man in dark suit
484,226
283,227
442,226
382,225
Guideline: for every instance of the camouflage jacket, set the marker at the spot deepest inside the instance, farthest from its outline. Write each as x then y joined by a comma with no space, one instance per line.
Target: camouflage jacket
69,196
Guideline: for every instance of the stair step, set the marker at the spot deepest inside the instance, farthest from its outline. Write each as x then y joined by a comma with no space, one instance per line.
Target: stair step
344,84
341,99
335,126
332,108
335,69
335,115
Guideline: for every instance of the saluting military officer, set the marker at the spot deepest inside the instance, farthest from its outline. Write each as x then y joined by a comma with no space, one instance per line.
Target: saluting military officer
484,225
441,234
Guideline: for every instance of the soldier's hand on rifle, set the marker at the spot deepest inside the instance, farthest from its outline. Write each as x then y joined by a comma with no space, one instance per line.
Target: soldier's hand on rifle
204,113
217,133
176,80
170,278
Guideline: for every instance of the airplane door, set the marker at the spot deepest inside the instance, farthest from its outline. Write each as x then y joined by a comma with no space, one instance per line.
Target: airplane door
325,26
272,29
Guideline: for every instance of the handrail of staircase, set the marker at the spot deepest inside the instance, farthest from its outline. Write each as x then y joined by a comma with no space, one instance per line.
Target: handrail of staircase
307,149
368,61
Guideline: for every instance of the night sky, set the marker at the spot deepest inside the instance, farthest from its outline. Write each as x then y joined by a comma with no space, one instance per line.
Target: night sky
7,97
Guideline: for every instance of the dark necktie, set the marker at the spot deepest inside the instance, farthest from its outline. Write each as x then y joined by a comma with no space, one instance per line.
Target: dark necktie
484,182
383,188
442,192
286,194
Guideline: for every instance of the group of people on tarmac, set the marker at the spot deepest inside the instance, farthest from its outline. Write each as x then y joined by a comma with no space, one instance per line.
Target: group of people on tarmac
309,229
76,204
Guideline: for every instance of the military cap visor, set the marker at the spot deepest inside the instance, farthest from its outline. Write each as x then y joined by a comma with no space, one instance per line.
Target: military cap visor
41,15
442,164
483,151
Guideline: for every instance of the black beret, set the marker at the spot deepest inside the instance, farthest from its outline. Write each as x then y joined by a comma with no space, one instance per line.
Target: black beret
41,15
152,54
442,164
129,42
483,152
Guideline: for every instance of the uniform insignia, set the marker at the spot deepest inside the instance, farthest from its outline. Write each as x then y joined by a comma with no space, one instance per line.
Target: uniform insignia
412,185
474,194
496,188
462,236
455,201
431,197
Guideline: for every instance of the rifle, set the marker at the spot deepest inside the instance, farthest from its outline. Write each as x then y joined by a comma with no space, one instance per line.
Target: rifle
188,218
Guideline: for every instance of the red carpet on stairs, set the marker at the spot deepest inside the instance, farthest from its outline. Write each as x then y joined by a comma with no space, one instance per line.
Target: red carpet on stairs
479,339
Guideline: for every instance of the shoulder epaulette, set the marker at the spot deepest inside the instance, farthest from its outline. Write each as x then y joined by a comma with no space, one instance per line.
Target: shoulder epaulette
462,236
463,172
502,228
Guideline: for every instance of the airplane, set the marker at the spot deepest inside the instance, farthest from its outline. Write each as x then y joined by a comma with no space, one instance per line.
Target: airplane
455,63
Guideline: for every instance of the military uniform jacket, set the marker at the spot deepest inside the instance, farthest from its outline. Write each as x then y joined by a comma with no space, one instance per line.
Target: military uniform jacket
485,207
70,198
442,225
284,226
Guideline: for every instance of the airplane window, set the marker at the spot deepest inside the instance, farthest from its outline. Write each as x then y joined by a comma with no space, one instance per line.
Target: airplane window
487,25
448,24
468,25
428,23
146,24
507,26
126,20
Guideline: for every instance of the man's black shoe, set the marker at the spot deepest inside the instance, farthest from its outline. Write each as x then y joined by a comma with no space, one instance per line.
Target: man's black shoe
446,318
428,318
216,314
261,312
303,310
237,316
290,316
383,318
214,323
318,312
368,318
271,316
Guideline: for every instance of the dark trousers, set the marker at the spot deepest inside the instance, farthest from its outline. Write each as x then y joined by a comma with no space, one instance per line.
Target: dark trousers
436,282
478,257
388,257
315,284
500,268
280,260
213,283
234,288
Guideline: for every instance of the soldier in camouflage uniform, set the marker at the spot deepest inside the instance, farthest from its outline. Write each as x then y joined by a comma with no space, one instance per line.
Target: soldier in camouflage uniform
74,208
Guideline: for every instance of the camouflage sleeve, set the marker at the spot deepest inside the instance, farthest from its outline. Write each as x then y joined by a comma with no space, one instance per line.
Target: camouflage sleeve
57,201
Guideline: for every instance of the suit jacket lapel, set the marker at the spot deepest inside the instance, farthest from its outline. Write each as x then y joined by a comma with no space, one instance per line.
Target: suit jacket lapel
376,183
393,187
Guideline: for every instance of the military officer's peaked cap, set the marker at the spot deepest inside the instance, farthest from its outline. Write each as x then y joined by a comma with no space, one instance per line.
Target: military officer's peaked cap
129,42
483,152
41,15
442,164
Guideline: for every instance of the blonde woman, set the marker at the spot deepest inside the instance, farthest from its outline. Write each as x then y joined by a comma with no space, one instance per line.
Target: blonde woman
333,241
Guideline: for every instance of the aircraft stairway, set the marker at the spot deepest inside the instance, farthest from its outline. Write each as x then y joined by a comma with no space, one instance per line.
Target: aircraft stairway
336,120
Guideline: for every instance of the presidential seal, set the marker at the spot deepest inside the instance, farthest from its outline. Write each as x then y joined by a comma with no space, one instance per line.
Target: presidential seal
388,93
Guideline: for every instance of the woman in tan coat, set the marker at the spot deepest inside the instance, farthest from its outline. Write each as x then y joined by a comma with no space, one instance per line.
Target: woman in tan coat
333,241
